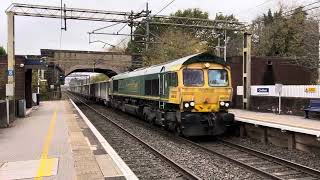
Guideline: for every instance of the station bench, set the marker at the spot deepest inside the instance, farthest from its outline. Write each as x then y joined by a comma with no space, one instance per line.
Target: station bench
314,106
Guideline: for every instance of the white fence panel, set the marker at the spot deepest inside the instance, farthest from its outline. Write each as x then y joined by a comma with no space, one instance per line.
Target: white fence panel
296,91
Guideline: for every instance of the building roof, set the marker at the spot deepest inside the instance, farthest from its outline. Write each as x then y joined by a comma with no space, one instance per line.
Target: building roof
172,65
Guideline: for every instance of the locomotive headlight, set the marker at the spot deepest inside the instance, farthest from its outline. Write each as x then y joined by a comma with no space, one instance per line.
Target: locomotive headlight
227,104
186,105
222,103
192,104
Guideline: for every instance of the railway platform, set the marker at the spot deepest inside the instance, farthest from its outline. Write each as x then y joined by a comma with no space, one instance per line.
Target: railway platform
58,142
282,122
294,132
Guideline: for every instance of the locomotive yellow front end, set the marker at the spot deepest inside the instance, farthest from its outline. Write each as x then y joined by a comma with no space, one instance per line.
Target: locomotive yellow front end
205,88
204,95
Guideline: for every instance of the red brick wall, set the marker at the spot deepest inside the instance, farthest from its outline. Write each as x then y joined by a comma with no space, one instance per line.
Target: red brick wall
19,78
283,71
3,77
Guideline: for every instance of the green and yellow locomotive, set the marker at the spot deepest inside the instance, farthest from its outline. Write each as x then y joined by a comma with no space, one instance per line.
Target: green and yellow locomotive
190,95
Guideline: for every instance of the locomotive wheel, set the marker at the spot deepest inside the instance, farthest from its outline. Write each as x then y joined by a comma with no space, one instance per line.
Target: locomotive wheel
151,121
165,126
145,117
177,131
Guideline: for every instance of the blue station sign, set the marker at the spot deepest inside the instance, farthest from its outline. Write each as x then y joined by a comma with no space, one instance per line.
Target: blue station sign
10,72
262,90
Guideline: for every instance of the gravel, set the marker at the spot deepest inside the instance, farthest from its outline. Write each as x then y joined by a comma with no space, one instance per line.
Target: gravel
204,165
200,163
308,159
142,162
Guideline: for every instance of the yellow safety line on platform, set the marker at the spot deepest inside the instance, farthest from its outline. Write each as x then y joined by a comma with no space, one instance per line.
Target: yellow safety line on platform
46,164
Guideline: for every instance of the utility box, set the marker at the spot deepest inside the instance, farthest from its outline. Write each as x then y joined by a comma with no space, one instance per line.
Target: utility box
21,108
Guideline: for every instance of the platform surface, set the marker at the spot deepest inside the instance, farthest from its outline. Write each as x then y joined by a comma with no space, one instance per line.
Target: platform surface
53,143
296,122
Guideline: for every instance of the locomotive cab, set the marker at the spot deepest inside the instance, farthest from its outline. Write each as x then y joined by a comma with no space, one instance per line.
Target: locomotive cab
205,89
204,95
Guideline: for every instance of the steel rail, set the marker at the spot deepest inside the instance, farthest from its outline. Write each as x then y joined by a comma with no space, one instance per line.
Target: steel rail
264,156
257,171
278,160
186,173
209,151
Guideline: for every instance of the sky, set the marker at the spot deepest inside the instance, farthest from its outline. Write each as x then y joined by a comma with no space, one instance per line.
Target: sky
33,34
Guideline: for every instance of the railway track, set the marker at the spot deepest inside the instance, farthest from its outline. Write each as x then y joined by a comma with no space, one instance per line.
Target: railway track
144,160
264,165
274,163
267,166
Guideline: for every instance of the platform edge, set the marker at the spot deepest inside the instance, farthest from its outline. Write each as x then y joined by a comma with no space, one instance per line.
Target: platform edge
280,126
127,172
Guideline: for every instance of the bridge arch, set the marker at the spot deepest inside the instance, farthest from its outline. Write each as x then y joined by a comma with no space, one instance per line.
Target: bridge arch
108,72
108,63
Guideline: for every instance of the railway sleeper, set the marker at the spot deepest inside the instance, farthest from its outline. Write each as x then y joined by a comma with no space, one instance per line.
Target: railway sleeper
286,173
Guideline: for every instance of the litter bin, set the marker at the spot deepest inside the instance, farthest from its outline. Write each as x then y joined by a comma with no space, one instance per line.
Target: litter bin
21,108
38,99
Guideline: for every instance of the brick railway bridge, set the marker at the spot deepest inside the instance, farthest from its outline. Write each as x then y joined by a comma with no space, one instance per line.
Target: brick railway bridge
58,62
108,63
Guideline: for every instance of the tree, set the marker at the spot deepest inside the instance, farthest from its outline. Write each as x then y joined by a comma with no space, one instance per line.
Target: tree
295,36
99,78
192,13
159,42
234,38
201,39
291,35
174,44
2,51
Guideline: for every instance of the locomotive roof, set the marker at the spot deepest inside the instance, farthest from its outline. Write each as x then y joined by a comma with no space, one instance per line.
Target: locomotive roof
172,65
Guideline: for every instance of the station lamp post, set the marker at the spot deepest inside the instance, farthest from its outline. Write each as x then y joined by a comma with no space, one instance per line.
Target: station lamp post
10,86
246,81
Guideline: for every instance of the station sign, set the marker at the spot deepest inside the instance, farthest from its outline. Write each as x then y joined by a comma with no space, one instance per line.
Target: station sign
10,72
311,90
263,91
9,90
